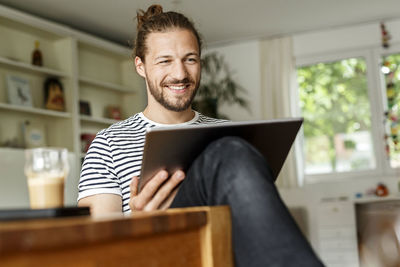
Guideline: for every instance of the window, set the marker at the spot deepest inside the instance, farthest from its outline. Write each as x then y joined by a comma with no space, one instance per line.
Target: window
335,104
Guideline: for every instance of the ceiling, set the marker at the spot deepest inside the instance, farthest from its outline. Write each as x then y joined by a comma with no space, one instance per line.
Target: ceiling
219,21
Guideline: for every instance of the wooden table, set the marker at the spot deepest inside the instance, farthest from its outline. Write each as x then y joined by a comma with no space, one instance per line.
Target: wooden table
177,237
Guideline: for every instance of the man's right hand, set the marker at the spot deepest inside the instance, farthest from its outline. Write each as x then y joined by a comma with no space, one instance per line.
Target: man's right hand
158,193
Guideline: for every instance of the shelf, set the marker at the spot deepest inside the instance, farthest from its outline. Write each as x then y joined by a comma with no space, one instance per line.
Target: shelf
32,110
106,85
6,150
97,120
32,68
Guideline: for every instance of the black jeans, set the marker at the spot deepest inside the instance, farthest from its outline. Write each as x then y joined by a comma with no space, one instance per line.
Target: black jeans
232,172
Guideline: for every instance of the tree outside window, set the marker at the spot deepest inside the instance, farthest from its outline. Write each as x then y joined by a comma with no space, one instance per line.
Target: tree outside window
337,117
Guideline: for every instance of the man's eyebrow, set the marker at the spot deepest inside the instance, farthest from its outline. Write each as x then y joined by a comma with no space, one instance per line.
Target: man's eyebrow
192,54
169,56
163,56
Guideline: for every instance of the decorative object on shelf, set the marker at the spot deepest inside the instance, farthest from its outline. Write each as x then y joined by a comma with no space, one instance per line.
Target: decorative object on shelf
54,94
86,140
84,108
113,112
385,36
381,190
37,58
19,92
217,87
34,134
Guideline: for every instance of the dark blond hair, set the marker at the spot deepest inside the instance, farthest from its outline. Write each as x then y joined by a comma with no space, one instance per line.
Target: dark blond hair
155,20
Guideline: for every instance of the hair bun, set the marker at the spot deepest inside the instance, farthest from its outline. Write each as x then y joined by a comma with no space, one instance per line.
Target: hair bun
152,11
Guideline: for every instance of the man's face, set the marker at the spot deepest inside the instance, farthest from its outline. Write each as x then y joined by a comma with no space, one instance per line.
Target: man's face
171,68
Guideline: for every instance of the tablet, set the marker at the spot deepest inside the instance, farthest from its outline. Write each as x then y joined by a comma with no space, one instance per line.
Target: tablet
27,214
175,148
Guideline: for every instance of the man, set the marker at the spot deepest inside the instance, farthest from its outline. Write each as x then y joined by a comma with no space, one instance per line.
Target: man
228,172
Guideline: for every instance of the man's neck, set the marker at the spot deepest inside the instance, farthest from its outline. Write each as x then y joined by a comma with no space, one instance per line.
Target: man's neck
165,116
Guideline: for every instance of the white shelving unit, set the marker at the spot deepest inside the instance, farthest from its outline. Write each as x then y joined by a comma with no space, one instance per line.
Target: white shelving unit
89,68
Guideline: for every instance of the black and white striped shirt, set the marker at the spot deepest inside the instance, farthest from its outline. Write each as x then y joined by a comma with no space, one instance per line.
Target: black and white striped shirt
115,156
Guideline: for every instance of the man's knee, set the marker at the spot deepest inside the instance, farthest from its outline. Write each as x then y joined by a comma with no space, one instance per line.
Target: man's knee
232,147
237,155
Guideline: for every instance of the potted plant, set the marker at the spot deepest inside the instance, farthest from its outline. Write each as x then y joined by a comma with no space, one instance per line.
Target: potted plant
217,87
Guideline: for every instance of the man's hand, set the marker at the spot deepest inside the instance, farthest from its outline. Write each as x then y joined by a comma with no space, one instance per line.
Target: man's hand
158,193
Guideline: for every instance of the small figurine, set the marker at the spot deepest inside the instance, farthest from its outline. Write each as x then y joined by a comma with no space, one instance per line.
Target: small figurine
54,95
381,190
37,59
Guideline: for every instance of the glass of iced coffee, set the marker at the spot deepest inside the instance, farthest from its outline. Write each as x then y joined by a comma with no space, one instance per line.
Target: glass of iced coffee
46,170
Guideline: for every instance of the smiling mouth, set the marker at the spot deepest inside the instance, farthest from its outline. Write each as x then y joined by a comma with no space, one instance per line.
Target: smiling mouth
178,88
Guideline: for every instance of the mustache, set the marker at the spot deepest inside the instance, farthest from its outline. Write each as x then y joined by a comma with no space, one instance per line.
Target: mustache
176,81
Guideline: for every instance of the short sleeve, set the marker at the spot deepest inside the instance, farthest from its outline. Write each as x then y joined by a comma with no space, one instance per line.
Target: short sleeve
98,175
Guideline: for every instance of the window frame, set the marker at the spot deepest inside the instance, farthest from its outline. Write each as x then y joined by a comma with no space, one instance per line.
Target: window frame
377,97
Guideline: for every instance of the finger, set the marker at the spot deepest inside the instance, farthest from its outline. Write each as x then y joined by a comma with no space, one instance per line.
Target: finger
134,185
167,203
150,188
165,191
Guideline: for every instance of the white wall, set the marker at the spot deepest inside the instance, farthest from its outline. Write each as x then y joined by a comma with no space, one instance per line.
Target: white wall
343,39
244,59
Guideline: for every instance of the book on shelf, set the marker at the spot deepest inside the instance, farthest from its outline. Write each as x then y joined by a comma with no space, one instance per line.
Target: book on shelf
84,108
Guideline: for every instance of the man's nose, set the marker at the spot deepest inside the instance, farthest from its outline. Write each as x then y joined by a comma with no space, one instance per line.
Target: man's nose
179,71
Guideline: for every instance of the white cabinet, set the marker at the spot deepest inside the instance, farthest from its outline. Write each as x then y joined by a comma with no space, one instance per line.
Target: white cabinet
337,234
371,218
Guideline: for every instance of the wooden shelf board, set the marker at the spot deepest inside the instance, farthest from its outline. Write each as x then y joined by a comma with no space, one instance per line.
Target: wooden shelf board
32,110
107,85
97,120
32,68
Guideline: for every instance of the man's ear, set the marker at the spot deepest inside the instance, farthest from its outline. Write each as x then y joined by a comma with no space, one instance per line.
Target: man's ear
140,67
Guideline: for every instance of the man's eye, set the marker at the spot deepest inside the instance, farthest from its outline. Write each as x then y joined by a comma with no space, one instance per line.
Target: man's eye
192,60
164,62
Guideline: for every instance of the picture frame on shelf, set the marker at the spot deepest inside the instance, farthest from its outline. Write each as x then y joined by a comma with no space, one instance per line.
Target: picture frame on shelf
84,108
54,94
34,134
113,112
19,91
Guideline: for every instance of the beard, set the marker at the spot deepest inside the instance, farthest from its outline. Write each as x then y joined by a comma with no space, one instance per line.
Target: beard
178,103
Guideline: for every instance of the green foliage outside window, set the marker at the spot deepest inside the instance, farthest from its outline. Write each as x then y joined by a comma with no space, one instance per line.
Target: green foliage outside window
336,110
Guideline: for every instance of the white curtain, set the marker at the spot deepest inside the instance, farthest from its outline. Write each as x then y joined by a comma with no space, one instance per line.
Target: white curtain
278,93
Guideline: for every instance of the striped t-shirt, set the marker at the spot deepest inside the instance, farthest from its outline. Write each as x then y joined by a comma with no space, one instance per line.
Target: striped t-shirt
115,156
